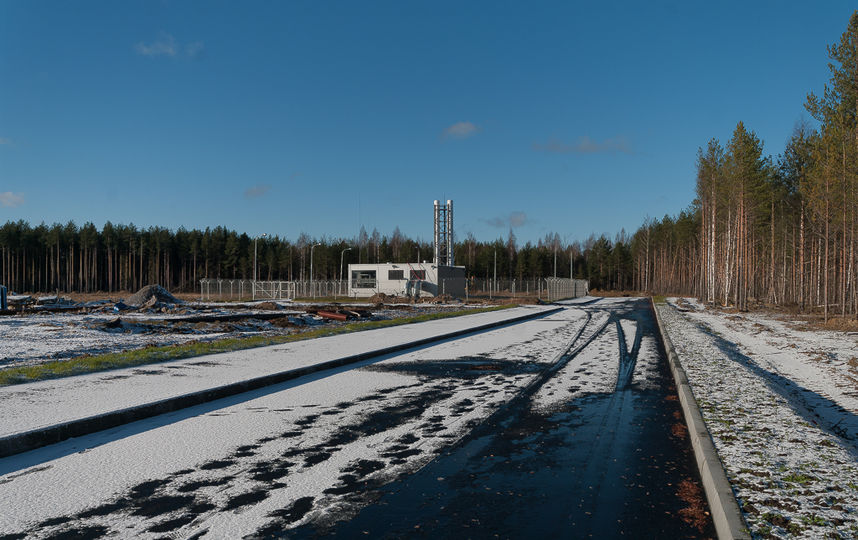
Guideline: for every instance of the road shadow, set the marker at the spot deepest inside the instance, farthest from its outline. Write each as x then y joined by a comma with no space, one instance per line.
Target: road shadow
83,443
803,401
603,465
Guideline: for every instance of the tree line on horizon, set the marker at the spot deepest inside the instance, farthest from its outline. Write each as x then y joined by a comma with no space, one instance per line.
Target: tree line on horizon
776,231
71,258
779,231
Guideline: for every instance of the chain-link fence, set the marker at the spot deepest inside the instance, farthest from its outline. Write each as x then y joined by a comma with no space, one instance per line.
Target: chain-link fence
319,289
562,288
549,289
246,289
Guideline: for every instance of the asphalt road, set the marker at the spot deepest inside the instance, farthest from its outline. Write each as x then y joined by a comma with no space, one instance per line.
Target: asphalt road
615,464
565,426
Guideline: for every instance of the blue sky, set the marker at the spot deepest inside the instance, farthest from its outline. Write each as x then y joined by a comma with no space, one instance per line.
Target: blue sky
320,117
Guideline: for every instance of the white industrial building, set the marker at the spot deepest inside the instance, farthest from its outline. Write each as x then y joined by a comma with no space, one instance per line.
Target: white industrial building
406,279
415,279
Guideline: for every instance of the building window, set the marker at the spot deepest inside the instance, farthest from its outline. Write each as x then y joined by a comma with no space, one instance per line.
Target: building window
395,274
418,274
363,279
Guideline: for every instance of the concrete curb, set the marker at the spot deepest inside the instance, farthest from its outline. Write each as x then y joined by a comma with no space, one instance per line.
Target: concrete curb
726,515
37,438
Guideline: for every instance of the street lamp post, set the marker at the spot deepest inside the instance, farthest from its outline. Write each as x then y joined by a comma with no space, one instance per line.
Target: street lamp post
495,274
311,269
343,252
255,240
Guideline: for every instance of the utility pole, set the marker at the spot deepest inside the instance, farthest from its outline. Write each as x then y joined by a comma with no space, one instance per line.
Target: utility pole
495,276
555,260
343,252
255,240
570,264
313,291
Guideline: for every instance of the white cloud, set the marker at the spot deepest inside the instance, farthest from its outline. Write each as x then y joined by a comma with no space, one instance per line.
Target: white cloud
166,45
461,130
256,191
586,145
11,200
193,50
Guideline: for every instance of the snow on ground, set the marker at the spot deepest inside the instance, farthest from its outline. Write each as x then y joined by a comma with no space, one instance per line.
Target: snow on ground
647,363
579,300
592,369
783,422
821,367
43,337
277,457
49,402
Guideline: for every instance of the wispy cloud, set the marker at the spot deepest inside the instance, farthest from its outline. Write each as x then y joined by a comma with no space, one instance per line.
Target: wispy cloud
586,145
11,200
5,140
460,130
256,191
166,45
194,49
513,220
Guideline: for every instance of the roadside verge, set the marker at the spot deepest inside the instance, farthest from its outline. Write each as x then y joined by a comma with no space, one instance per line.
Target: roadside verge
45,435
726,515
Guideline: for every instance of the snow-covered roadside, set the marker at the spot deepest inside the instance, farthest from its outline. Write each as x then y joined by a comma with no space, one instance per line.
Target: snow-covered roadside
45,403
311,448
36,338
793,469
818,369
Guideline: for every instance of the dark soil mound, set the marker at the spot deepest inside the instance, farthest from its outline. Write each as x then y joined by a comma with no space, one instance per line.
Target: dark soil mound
378,298
151,295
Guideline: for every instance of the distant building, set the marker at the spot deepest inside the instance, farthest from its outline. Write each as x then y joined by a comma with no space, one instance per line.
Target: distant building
415,279
406,279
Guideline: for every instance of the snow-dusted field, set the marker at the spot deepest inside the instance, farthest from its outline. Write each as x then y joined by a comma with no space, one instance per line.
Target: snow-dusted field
38,404
316,450
42,337
780,403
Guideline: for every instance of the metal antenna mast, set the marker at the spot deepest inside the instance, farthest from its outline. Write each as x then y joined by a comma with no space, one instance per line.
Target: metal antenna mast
443,233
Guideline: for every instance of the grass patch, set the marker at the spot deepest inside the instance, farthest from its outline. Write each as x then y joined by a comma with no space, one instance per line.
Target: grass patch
659,299
164,353
813,520
764,530
798,478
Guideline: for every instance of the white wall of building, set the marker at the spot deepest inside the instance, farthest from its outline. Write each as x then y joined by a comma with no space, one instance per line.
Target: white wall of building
406,279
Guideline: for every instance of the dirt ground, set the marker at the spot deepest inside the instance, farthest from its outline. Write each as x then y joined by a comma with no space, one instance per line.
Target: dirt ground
614,294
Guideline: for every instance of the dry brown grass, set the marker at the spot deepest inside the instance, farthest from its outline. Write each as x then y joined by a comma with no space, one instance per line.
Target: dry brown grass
614,294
